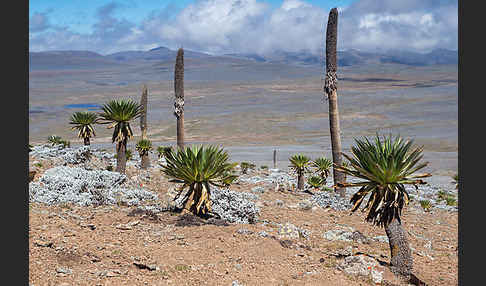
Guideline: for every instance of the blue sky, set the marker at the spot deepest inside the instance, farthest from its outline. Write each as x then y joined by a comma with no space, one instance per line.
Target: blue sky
219,26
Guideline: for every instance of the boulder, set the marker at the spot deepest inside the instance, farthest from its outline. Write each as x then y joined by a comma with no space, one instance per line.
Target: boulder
362,265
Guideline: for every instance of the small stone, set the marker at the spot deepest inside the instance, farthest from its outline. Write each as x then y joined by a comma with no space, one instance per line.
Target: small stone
244,231
263,233
90,226
64,270
258,190
150,267
43,243
305,205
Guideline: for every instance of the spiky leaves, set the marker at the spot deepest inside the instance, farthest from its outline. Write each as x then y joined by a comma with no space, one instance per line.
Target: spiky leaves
316,182
322,166
198,167
119,113
83,121
385,165
54,140
57,140
143,147
456,180
299,164
162,149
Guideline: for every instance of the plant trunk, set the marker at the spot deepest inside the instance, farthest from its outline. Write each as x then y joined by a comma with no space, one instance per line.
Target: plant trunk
180,130
401,261
300,181
201,200
86,141
275,159
121,160
143,117
179,96
145,161
330,89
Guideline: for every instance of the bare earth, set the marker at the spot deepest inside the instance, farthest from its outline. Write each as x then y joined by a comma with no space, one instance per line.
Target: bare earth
87,244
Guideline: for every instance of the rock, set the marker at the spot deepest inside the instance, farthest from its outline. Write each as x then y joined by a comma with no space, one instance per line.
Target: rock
234,207
43,243
381,238
362,265
244,231
123,227
84,187
263,233
62,270
279,203
343,235
343,252
305,205
89,225
288,230
258,190
287,243
150,267
330,199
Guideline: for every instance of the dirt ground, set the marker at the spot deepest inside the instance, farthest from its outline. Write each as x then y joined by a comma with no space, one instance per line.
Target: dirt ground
116,245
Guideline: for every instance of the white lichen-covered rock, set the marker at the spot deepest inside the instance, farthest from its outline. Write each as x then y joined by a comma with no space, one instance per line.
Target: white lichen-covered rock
234,207
343,235
362,265
332,200
83,187
290,231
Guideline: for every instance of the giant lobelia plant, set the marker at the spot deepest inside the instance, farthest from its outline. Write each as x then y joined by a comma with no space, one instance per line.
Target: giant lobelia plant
197,168
385,166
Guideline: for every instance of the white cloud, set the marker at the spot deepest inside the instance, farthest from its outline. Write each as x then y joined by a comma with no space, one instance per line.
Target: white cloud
223,26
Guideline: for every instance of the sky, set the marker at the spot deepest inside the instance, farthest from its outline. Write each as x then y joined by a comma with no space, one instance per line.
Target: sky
240,26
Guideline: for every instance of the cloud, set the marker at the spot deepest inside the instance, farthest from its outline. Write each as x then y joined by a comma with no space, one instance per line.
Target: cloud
251,26
407,25
39,22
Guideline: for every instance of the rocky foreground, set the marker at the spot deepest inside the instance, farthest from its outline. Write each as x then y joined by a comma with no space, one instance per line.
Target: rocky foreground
92,226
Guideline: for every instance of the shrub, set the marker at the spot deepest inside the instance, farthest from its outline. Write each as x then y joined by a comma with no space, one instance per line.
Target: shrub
426,205
197,168
451,201
162,149
245,166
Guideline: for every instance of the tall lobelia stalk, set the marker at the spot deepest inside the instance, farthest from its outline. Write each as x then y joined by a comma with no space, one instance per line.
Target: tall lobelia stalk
143,116
144,156
179,96
330,90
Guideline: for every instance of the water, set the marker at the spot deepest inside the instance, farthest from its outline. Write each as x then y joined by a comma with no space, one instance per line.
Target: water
88,106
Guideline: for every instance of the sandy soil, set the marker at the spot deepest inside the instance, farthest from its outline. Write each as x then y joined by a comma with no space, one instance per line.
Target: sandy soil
87,244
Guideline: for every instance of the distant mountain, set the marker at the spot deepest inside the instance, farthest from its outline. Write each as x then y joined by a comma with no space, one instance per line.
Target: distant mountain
156,54
58,60
355,57
55,60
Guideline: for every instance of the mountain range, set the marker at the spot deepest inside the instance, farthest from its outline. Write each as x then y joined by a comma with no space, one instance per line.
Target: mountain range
65,60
